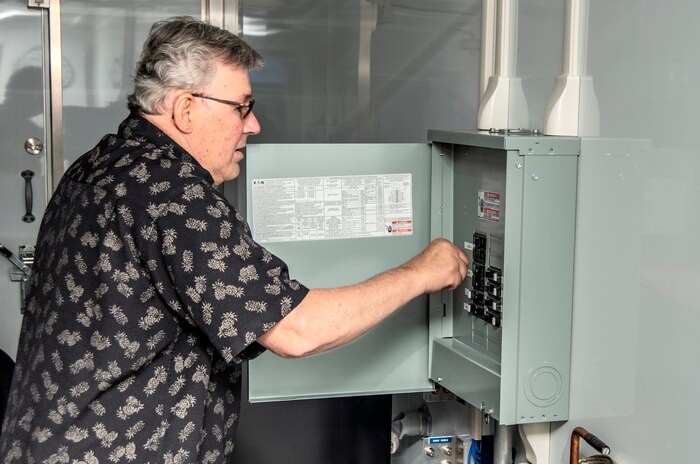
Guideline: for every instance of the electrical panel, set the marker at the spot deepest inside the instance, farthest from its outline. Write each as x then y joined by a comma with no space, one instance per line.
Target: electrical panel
502,340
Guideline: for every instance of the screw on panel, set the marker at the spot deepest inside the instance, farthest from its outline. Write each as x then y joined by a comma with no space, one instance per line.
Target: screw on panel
535,177
519,165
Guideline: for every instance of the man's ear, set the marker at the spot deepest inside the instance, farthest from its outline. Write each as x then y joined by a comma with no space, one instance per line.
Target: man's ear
182,112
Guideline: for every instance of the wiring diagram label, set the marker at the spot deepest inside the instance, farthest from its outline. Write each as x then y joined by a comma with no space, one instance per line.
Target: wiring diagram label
332,207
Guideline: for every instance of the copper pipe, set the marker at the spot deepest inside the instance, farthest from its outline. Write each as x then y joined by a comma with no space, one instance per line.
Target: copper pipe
595,442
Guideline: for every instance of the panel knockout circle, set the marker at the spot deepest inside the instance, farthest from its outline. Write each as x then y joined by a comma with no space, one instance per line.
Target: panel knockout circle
544,386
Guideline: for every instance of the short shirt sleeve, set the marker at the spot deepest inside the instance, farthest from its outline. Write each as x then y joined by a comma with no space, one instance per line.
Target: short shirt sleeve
223,282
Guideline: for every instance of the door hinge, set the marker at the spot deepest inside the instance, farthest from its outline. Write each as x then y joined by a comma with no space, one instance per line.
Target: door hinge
38,3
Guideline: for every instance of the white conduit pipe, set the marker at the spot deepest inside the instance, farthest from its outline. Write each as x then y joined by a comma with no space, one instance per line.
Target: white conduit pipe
488,43
573,106
503,104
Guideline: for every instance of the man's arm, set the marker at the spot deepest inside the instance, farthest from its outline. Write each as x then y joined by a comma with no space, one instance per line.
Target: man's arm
328,318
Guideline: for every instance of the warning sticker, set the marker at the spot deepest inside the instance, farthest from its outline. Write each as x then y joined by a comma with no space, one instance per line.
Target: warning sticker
333,207
489,206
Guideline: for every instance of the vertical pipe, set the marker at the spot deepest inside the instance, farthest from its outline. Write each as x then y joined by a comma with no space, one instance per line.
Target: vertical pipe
503,104
503,445
215,13
536,440
205,10
507,31
576,37
488,42
573,106
477,423
232,16
223,14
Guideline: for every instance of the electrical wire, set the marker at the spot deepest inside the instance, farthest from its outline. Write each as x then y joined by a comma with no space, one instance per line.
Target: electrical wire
474,455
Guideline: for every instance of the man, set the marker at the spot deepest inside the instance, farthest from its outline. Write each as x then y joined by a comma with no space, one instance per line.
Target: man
148,291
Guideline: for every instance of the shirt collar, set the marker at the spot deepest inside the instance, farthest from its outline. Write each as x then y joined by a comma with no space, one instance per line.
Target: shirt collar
136,127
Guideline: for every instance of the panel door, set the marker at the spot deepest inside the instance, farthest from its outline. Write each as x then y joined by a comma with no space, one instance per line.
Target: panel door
393,357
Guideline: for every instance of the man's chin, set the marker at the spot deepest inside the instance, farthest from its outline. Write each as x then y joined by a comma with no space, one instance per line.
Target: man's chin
233,174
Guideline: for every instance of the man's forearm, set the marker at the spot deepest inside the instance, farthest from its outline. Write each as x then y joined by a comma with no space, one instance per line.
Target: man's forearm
328,318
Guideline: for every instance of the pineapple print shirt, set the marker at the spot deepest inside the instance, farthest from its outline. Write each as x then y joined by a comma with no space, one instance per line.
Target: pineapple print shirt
147,294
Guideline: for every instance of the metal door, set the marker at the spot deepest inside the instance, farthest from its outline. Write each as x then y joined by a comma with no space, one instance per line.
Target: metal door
391,358
65,71
22,148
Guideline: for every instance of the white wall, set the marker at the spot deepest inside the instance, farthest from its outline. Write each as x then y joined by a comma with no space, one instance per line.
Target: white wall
635,382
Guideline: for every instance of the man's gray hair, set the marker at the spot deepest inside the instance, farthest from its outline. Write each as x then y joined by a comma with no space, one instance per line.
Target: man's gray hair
181,53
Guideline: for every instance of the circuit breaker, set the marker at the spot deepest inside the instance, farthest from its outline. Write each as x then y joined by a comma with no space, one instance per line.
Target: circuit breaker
502,340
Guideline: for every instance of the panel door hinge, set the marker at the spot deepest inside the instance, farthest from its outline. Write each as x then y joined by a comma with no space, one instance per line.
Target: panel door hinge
38,3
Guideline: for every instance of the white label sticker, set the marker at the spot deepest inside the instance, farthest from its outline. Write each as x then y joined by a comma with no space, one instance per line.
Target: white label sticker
334,207
489,206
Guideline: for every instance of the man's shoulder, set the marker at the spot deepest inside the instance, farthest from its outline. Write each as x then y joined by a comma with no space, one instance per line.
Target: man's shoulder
140,165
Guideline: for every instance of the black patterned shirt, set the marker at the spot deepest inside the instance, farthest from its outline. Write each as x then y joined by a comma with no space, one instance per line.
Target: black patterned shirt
147,294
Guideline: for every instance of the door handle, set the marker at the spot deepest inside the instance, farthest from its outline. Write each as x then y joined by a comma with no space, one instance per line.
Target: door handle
28,195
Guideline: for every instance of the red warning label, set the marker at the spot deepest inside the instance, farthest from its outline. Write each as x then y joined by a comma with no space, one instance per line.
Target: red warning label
489,206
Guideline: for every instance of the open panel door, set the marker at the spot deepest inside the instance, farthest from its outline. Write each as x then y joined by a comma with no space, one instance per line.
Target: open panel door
393,357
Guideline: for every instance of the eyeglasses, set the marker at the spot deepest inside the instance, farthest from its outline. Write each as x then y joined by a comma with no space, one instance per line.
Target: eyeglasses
244,108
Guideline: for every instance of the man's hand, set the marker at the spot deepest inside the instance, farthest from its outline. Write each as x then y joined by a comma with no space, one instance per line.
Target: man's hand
441,266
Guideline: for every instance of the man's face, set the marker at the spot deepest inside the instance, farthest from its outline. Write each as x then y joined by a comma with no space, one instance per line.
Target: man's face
221,130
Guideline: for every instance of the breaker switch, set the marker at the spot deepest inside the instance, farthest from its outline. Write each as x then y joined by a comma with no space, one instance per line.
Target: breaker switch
493,290
479,248
493,305
478,278
494,274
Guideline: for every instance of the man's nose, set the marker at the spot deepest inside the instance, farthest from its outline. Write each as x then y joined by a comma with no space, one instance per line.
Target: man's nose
251,125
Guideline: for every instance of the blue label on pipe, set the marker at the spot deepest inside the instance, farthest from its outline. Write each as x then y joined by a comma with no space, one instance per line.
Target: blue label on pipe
440,440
